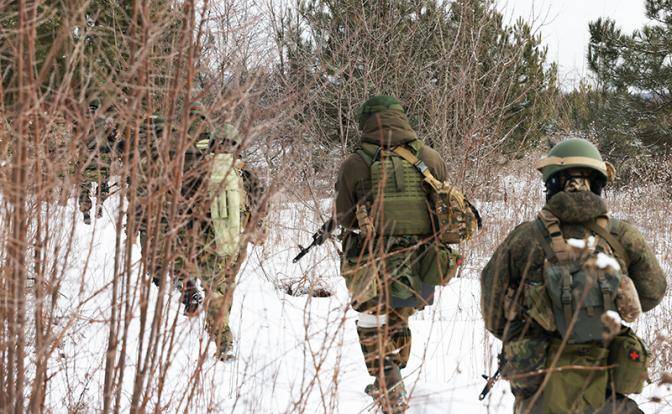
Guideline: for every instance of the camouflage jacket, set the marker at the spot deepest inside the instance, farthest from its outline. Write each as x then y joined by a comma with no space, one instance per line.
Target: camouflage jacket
521,257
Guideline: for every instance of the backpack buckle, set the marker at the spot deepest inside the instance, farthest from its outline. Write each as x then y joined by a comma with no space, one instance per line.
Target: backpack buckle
421,166
566,296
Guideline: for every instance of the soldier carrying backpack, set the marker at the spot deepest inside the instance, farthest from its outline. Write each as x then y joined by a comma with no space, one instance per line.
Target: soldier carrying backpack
223,211
399,217
555,292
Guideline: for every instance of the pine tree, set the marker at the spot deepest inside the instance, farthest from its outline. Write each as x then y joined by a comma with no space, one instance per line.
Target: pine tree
634,74
471,84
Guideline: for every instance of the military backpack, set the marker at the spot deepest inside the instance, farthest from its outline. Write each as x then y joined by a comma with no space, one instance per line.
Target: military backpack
227,209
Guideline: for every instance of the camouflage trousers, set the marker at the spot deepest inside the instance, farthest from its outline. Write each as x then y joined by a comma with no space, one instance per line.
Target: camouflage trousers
99,176
195,258
387,346
218,276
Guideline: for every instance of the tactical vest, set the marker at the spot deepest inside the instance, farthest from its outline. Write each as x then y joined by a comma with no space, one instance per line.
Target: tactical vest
398,201
227,209
581,280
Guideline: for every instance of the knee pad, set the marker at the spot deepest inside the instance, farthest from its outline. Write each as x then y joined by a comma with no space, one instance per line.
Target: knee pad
366,320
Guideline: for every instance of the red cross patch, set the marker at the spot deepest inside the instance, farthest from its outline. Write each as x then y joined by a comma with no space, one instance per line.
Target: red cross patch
634,356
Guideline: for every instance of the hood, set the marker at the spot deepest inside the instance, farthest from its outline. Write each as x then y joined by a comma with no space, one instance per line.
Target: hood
388,128
576,207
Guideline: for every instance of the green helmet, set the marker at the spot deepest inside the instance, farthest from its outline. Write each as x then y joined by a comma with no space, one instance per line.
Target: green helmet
375,104
226,132
231,133
574,153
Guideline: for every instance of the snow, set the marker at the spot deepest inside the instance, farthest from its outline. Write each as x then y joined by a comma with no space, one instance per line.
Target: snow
614,316
295,354
605,261
581,244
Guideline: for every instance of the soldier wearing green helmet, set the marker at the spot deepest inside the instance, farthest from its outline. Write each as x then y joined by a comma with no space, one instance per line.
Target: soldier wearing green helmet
557,288
392,258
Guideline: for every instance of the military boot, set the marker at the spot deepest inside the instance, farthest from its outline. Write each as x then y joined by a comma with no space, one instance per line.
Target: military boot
192,298
393,400
224,342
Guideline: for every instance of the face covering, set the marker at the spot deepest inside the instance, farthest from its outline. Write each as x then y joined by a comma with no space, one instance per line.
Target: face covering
575,183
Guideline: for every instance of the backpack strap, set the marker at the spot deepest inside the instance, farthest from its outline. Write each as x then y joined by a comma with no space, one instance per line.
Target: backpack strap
419,165
365,156
599,227
552,226
545,241
549,242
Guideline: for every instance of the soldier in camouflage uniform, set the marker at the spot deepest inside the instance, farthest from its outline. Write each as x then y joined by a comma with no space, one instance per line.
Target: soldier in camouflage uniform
199,256
514,295
383,252
94,164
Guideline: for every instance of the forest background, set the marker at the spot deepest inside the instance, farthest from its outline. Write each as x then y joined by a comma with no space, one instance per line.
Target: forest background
290,76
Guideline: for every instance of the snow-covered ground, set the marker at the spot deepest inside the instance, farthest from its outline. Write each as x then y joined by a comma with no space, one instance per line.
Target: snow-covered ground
295,354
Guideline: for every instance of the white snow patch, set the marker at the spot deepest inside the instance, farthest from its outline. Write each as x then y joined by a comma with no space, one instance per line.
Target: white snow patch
577,243
582,243
295,354
614,316
605,261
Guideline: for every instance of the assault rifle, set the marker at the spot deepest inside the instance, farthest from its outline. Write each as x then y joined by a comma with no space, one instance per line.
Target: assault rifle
493,379
318,238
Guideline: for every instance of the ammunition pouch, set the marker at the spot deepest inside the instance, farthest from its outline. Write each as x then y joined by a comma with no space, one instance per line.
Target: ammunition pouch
359,270
630,358
438,264
578,381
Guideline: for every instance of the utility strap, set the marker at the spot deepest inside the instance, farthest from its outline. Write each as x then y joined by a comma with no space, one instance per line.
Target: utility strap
607,300
612,241
552,225
420,166
566,295
545,241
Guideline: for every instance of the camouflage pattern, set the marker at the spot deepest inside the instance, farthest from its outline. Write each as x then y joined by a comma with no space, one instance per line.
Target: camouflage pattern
193,246
519,261
395,347
95,175
386,351
216,272
382,271
627,300
521,258
217,275
523,358
94,163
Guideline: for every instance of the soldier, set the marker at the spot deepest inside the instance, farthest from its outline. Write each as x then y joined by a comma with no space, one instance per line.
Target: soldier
392,255
94,164
223,205
556,289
